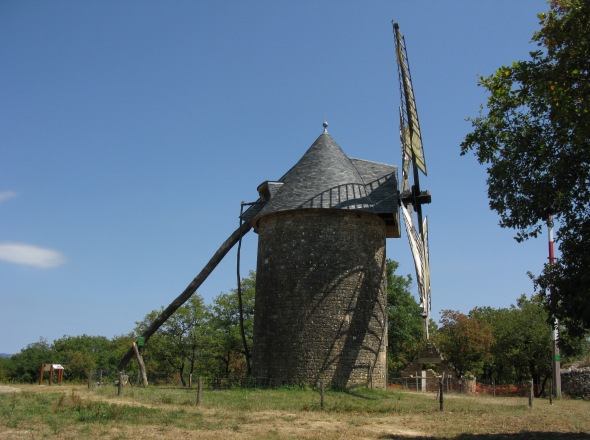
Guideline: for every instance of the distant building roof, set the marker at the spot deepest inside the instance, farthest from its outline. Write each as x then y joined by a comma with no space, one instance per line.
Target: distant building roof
326,178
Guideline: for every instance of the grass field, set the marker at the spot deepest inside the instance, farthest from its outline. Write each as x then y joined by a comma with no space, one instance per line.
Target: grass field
76,412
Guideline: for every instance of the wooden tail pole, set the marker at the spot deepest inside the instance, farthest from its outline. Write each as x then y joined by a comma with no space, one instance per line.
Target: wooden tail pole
190,289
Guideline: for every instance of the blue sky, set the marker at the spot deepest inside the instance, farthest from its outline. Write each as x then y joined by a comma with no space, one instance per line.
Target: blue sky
130,131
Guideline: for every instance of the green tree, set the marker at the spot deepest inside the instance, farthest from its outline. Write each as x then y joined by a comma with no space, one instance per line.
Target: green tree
535,141
498,366
5,369
522,342
26,365
189,330
225,326
159,357
119,344
464,341
405,328
182,341
80,355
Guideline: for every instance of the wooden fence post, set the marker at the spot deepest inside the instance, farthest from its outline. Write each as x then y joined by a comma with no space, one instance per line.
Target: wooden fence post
440,392
322,394
531,387
120,385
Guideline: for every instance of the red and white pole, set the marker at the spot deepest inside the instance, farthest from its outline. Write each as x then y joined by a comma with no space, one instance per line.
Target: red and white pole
551,252
556,361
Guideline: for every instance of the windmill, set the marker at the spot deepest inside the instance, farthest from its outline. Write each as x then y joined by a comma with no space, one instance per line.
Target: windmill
321,295
413,161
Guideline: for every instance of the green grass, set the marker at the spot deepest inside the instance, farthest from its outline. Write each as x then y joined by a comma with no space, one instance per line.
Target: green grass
156,412
56,412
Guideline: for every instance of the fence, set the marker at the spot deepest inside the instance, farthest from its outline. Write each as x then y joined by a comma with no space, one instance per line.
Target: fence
417,383
431,384
455,385
176,380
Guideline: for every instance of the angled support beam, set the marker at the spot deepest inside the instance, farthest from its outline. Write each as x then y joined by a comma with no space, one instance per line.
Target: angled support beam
190,289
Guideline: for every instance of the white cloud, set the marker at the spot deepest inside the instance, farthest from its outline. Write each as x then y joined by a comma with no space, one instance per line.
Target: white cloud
5,195
29,255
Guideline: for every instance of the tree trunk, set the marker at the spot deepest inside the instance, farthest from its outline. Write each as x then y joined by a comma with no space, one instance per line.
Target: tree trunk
190,289
181,372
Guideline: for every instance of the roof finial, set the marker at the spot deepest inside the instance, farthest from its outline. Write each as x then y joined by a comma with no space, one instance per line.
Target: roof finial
325,124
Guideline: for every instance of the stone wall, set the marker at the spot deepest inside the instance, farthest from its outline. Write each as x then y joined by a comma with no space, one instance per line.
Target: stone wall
321,301
575,382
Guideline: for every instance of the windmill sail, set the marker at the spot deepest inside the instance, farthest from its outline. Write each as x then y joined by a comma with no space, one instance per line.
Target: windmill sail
406,153
413,161
419,247
409,125
425,292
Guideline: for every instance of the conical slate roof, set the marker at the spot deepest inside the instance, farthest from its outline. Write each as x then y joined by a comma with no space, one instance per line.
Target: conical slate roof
326,178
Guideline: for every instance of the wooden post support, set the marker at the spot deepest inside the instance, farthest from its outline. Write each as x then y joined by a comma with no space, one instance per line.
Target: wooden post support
322,394
531,394
199,390
120,384
440,393
141,364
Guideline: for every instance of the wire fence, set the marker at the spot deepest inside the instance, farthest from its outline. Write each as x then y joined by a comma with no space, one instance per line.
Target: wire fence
429,384
452,384
104,378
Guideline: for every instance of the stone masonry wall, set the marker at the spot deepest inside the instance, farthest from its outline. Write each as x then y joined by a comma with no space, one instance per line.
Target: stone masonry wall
575,382
320,311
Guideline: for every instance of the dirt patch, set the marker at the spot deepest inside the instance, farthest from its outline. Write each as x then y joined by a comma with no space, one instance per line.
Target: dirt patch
4,389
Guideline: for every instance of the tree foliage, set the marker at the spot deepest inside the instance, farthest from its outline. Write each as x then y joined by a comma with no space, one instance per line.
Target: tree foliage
521,348
26,365
465,342
405,328
225,323
535,140
182,343
202,339
522,342
80,355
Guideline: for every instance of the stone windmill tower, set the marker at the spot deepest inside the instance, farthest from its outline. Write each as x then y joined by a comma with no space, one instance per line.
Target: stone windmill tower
321,301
